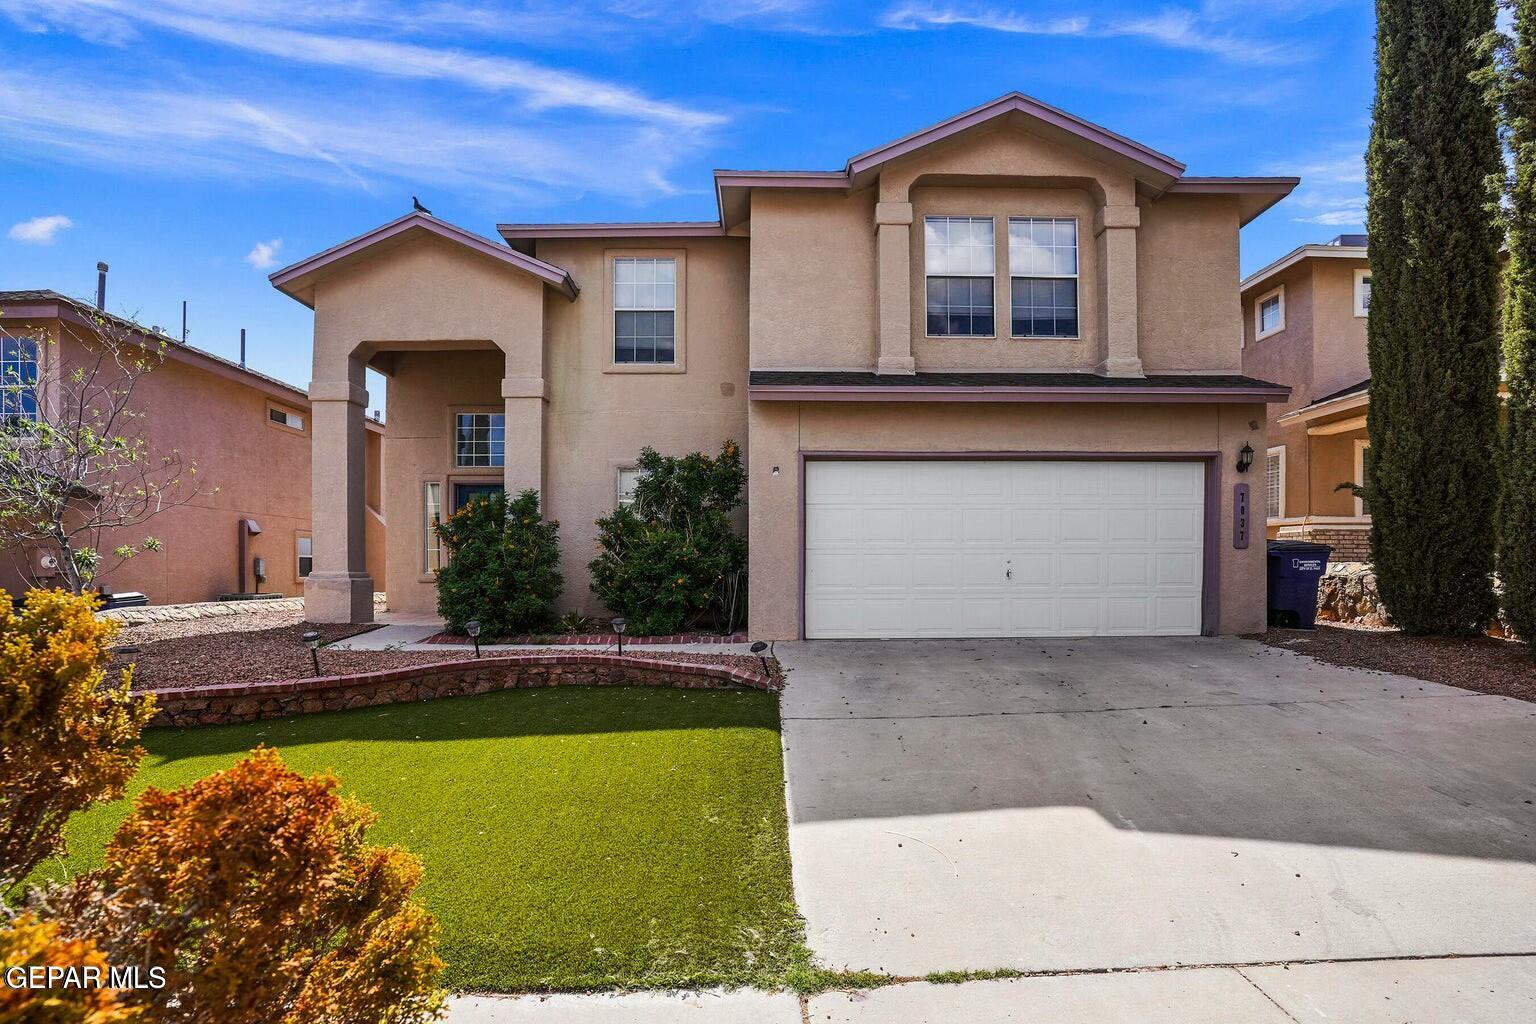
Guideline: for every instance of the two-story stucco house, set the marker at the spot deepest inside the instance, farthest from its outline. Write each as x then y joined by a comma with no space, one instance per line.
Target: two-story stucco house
1304,320
988,378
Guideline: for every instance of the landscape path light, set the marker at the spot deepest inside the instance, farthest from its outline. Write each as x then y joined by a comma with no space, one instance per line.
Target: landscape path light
758,648
618,627
312,640
472,627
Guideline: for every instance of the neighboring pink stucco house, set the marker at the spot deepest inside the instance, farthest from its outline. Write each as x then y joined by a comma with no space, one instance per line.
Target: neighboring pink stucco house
1304,320
988,378
249,435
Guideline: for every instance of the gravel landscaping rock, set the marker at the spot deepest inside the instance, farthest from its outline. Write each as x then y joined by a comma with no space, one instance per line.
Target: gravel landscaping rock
1484,664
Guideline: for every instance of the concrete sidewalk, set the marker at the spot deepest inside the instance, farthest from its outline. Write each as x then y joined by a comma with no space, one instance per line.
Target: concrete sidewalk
409,636
1470,990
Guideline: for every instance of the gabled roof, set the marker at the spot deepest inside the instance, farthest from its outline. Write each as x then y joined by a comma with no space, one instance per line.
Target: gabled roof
46,304
1159,168
298,279
1319,250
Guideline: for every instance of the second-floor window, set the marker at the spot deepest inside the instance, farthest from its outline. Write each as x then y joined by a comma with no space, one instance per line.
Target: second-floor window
18,379
285,417
479,439
1362,293
1042,265
644,310
959,256
1269,313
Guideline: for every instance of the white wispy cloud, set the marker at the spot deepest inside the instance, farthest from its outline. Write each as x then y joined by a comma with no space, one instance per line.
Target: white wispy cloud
1176,28
544,132
263,255
40,230
541,87
1332,190
197,130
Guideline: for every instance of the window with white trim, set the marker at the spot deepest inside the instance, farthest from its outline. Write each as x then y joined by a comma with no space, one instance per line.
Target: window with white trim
627,478
1269,313
644,309
431,515
479,439
1361,444
285,417
959,262
1042,268
18,380
1362,293
306,556
1274,482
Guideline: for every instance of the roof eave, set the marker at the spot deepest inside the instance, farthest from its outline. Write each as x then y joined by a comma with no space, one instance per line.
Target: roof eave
1039,393
297,279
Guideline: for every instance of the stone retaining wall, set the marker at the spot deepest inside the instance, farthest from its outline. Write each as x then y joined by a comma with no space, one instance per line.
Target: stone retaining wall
249,702
209,610
1347,593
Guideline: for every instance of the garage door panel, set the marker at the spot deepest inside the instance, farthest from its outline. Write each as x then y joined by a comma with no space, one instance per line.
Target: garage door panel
1003,548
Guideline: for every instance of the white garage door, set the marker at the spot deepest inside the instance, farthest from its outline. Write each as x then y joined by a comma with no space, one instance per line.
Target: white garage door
1003,548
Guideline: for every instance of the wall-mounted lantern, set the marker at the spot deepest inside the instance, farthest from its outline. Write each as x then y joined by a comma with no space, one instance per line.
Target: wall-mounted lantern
1245,458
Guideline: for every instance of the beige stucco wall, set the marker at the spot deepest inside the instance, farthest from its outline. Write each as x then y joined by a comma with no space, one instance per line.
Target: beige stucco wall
781,431
1186,281
1285,357
812,303
1338,348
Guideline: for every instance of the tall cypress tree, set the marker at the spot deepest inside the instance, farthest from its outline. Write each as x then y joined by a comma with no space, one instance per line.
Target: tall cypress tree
1433,335
1517,511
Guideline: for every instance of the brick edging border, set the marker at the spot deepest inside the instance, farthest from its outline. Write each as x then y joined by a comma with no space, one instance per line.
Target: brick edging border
590,639
225,703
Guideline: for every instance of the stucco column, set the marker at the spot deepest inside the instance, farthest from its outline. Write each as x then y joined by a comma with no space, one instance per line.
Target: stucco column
524,399
339,589
1115,229
893,224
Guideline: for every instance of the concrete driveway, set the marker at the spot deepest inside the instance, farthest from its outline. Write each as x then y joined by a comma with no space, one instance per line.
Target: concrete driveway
1091,805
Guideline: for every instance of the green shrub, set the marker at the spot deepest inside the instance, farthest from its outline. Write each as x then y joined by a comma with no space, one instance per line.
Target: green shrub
667,557
503,566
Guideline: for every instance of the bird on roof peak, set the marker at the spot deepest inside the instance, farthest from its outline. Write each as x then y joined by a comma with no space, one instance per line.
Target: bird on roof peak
416,205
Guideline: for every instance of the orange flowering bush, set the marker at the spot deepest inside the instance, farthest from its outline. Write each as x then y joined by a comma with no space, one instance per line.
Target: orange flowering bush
27,943
68,739
255,890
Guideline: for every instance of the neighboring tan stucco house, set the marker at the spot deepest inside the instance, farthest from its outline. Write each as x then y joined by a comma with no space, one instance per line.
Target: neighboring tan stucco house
988,378
248,434
1304,320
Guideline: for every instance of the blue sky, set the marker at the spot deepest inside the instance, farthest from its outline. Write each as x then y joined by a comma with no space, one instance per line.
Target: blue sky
196,145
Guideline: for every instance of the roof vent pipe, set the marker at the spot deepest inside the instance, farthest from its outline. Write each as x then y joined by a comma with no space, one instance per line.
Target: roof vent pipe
242,348
101,286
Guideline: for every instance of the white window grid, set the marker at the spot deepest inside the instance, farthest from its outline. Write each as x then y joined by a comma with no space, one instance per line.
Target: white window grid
1274,482
1041,250
432,514
1273,301
962,248
1362,293
627,478
645,309
479,439
18,378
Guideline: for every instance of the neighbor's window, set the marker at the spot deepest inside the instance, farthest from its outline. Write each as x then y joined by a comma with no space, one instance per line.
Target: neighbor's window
959,260
644,310
18,380
628,477
479,439
1269,313
1362,293
1274,482
285,417
1361,447
1042,263
306,556
431,515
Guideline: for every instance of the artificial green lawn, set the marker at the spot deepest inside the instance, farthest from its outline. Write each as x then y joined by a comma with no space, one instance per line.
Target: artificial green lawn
572,838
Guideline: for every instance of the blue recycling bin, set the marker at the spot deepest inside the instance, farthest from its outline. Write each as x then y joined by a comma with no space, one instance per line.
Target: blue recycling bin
1295,567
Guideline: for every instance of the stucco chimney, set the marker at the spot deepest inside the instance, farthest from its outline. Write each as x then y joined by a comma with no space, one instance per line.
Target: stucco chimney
101,286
